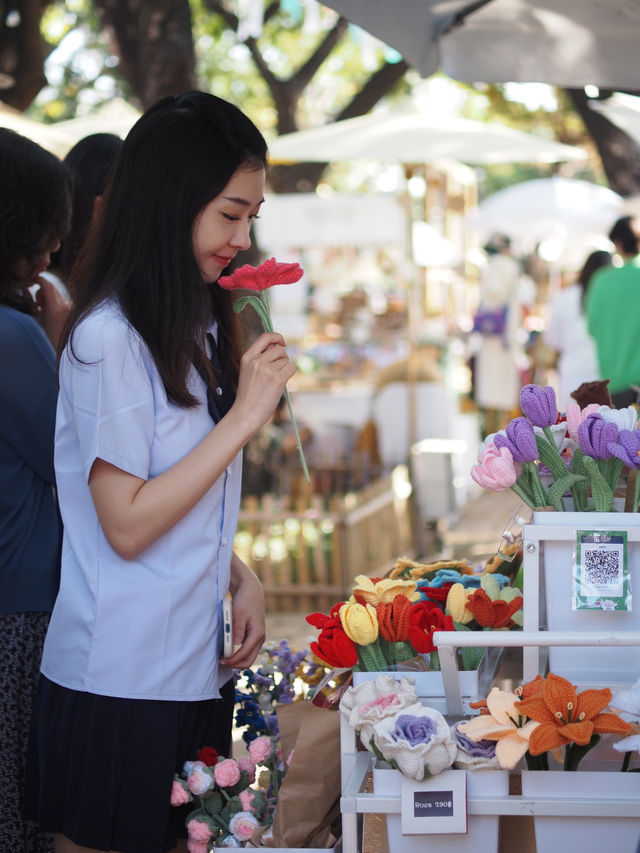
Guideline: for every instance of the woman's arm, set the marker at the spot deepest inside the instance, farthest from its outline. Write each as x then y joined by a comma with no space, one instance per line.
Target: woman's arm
134,512
248,614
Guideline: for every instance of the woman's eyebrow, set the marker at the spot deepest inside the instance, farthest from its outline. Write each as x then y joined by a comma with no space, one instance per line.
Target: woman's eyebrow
242,201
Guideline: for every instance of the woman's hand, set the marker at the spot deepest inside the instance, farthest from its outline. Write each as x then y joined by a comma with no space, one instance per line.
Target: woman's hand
265,369
248,615
52,309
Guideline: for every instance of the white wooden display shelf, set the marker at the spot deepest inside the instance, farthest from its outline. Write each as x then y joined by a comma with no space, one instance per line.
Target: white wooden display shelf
356,765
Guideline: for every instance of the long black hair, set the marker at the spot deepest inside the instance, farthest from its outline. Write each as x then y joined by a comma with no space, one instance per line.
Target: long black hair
595,261
35,211
89,162
177,157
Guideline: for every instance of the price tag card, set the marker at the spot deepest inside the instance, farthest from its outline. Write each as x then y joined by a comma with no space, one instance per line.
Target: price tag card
601,577
438,805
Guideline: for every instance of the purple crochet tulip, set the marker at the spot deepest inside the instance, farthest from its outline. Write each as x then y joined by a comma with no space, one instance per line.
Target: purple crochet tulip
414,729
539,405
520,440
595,435
627,448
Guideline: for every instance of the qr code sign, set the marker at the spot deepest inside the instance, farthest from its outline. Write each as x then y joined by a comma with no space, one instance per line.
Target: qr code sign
602,567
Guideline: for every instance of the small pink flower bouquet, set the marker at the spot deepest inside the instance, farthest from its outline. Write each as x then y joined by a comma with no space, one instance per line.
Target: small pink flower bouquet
231,801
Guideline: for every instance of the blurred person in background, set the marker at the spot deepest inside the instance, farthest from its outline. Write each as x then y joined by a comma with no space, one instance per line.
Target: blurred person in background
35,211
613,314
89,163
567,332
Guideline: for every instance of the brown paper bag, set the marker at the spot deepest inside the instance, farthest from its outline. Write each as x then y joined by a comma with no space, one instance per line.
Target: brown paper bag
308,807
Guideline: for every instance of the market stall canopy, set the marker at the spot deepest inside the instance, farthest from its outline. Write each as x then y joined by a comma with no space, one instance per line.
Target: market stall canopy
623,111
409,136
562,42
115,116
575,216
49,136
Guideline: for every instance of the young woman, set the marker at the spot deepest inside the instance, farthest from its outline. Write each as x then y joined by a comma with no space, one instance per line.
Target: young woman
149,483
34,215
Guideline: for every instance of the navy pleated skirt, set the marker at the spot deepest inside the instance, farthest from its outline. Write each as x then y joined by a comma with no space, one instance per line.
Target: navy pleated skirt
100,769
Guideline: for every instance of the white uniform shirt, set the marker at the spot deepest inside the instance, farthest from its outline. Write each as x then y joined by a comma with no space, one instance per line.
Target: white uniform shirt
146,628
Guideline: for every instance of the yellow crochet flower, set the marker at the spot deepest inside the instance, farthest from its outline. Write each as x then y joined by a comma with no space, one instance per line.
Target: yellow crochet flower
456,605
360,623
374,592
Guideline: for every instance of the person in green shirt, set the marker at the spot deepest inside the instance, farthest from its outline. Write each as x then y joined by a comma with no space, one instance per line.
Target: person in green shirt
613,314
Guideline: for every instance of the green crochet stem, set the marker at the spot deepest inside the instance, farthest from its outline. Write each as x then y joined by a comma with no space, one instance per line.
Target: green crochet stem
636,494
539,494
261,307
580,491
611,470
371,658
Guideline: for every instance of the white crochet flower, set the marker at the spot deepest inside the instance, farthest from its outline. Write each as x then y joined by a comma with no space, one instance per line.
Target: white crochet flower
371,701
626,703
417,741
623,418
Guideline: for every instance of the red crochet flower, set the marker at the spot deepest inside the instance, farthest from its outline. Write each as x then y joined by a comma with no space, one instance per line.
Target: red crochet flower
426,617
493,614
209,755
267,275
393,619
437,593
333,645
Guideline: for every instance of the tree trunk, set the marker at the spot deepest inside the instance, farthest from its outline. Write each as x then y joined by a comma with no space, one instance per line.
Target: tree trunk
619,153
22,52
155,45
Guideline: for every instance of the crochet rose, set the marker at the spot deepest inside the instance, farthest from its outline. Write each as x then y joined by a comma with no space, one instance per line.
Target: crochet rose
243,825
474,755
371,701
247,764
417,742
199,830
200,779
260,749
226,773
208,755
179,793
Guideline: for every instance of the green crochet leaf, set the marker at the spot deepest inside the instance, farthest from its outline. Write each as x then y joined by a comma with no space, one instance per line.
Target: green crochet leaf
491,586
600,491
550,457
557,490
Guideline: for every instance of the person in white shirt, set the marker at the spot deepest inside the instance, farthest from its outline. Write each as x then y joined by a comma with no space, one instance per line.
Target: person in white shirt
156,402
567,332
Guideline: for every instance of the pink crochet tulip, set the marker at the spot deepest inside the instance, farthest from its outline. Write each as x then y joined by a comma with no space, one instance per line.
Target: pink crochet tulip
576,415
260,749
495,470
226,773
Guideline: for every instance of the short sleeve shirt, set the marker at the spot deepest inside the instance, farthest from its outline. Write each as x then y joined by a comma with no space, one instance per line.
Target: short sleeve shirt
149,627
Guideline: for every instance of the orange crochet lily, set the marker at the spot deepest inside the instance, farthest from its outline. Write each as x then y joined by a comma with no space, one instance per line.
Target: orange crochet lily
567,718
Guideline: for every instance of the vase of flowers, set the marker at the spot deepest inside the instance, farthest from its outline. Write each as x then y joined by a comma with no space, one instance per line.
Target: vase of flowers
388,625
578,472
569,728
414,741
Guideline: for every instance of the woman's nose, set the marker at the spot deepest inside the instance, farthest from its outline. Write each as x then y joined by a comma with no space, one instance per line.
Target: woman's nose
242,236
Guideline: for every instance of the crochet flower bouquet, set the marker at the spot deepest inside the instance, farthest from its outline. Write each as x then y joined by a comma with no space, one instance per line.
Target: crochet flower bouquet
546,456
545,716
229,804
258,280
389,623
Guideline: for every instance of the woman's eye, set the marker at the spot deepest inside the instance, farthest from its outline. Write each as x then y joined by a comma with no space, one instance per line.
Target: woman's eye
231,218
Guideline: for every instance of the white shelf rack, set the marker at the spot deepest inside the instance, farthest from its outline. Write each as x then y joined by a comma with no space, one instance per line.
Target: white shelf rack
357,764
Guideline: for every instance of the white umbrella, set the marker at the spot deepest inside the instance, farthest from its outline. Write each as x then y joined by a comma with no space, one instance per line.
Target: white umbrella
562,42
409,136
49,136
574,215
